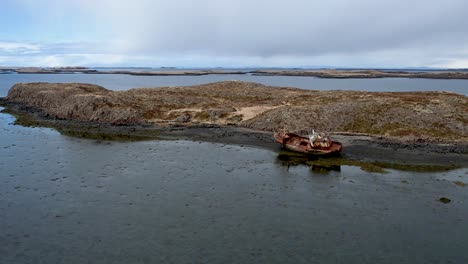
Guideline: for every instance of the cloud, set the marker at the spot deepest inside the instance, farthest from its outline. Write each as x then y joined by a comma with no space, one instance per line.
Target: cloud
8,47
280,33
295,27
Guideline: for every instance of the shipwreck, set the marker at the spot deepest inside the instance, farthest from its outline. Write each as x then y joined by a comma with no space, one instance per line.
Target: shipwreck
315,143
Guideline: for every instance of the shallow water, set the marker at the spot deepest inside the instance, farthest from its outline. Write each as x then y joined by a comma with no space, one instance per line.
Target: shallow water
124,82
69,200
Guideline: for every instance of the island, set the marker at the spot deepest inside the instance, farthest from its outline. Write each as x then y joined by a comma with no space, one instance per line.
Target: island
386,125
318,73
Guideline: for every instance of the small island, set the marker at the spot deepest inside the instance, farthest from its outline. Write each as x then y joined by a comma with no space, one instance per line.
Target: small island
247,113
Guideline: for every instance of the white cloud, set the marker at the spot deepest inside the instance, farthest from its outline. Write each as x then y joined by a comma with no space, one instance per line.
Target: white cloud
58,60
453,64
362,33
18,47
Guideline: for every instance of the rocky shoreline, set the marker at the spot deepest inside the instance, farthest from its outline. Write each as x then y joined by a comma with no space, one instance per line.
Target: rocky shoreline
405,116
370,152
247,114
320,73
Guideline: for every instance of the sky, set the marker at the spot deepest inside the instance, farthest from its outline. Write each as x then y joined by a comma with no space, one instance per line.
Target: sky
235,33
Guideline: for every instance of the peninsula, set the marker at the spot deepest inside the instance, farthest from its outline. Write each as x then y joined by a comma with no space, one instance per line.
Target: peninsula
387,126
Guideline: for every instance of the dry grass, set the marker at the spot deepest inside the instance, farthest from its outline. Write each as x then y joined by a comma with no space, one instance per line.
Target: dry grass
412,115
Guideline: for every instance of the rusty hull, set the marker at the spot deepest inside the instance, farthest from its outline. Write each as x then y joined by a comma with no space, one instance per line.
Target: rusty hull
302,144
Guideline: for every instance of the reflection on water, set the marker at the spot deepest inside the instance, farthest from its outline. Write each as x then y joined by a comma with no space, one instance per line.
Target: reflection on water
325,169
292,159
73,200
326,164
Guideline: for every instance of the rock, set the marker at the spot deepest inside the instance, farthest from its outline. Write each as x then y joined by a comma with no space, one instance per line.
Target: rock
444,200
219,113
235,119
183,118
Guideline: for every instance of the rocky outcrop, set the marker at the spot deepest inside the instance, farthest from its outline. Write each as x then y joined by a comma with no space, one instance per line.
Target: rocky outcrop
75,101
410,115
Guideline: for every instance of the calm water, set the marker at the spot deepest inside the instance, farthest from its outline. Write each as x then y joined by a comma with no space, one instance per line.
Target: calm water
69,200
124,82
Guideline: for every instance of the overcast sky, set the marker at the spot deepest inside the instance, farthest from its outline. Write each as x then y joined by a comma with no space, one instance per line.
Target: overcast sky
235,33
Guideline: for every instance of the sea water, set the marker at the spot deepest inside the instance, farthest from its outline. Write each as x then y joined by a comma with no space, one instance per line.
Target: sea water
73,200
125,82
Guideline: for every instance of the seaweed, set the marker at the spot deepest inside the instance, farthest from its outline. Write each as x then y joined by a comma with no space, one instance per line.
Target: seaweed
288,158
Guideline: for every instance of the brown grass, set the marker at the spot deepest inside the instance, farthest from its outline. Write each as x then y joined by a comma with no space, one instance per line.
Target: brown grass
428,115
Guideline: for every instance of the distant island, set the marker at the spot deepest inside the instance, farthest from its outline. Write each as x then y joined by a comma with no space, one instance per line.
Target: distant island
319,73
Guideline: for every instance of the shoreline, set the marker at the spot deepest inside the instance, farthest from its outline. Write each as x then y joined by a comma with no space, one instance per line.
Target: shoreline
318,73
368,152
399,130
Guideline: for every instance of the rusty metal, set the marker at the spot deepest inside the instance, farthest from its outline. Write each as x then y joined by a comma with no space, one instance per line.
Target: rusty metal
321,143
